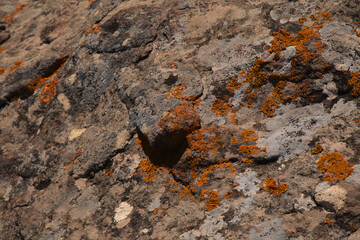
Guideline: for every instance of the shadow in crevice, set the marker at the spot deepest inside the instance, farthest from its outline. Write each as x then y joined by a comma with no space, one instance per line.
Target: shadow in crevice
166,150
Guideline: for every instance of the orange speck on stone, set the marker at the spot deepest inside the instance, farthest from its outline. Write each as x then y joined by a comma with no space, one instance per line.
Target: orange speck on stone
233,118
301,20
320,46
318,149
233,170
247,151
172,65
108,172
221,108
212,199
291,232
327,221
335,166
274,188
156,211
355,83
248,135
19,9
94,29
1,49
2,71
246,161
16,66
233,85
228,194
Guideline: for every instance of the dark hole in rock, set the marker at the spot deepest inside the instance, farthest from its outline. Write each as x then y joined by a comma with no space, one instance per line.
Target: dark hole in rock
171,79
166,150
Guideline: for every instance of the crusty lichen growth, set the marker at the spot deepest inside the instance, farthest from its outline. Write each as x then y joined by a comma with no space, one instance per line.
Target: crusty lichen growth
355,83
318,149
248,135
335,166
212,199
19,9
274,188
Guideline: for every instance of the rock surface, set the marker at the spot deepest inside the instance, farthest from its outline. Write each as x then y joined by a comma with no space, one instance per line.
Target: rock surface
129,119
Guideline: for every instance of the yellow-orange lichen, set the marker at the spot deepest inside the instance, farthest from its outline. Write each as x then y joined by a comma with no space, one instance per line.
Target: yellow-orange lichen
228,194
172,65
212,199
94,29
16,66
147,170
221,108
249,150
327,221
248,135
19,9
274,188
2,71
233,85
301,20
1,49
49,89
184,117
108,172
318,149
335,166
78,153
355,83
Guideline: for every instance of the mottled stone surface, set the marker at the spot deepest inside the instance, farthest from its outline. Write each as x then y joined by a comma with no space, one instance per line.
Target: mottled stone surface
131,119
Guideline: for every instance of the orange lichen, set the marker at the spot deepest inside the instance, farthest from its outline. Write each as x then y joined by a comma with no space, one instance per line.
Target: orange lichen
301,20
221,108
16,66
48,90
320,46
212,199
19,9
318,149
233,170
335,166
233,85
184,117
147,170
274,188
355,83
94,29
78,153
233,118
172,65
228,194
246,161
248,135
156,211
177,94
250,150
327,221
1,49
108,172
283,39
2,71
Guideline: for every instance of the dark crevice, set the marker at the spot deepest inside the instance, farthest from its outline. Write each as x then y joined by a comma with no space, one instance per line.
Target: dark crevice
164,156
268,160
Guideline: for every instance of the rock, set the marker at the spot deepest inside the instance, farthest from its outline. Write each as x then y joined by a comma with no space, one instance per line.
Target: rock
332,198
304,203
